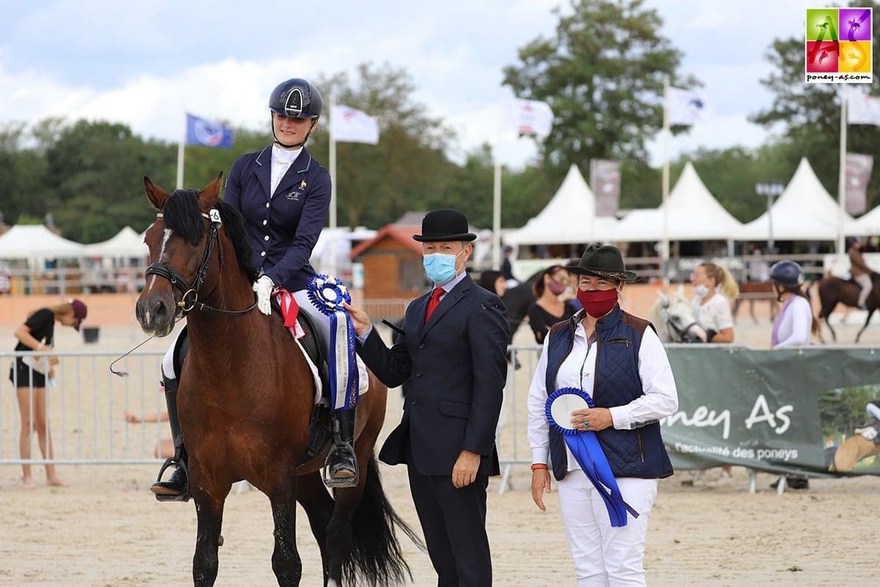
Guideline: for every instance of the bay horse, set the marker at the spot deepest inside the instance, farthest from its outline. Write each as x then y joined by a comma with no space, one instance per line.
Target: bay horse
834,290
245,401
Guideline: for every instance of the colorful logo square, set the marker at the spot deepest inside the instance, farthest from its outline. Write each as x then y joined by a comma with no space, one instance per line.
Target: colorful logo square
854,24
855,56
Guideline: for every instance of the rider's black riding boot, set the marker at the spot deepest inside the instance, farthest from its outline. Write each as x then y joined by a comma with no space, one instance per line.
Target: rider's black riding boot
342,462
177,486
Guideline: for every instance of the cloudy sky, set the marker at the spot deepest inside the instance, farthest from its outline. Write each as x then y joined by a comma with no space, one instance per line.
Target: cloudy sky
145,66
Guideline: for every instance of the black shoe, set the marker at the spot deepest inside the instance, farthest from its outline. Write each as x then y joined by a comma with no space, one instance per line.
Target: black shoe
792,483
175,489
342,468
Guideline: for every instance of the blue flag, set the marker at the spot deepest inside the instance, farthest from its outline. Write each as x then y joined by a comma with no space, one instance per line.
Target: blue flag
205,133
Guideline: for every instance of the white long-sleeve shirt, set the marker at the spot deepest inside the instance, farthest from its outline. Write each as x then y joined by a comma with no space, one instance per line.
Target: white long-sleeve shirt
578,369
794,323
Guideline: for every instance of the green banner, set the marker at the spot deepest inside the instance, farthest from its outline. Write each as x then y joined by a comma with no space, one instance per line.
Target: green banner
780,411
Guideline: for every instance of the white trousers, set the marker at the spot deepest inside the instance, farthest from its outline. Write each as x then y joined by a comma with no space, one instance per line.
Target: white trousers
866,284
605,556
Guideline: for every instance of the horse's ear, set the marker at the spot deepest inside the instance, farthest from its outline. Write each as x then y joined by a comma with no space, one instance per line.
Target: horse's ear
156,195
664,299
208,197
680,289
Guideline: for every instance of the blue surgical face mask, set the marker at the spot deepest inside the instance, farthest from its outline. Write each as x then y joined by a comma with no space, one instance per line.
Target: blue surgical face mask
439,267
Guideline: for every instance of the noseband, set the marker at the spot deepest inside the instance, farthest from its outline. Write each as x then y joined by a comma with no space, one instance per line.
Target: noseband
681,333
190,298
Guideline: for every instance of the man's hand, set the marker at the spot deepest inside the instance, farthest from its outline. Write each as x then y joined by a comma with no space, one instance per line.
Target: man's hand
359,319
464,472
263,288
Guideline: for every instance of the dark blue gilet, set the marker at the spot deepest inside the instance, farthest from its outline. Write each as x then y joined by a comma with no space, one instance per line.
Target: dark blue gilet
631,453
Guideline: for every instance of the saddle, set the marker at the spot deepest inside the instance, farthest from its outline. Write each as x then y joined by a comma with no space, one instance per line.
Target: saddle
319,428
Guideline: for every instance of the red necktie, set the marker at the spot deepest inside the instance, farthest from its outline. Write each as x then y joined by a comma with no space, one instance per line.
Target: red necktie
433,302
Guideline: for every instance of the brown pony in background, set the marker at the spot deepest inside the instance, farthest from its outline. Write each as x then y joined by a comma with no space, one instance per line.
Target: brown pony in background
834,290
245,401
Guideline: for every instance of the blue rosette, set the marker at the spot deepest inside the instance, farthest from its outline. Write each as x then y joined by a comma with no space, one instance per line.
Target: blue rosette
587,451
327,294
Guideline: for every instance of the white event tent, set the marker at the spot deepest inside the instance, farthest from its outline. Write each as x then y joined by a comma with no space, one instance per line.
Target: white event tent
804,212
867,225
693,215
126,244
568,218
35,243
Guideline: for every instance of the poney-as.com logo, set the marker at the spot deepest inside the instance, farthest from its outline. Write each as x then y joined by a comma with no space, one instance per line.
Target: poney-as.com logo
837,46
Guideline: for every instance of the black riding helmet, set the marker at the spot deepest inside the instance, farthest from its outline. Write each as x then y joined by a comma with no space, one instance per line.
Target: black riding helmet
296,98
787,274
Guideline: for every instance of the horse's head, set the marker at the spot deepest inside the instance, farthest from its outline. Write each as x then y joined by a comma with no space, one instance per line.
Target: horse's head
673,317
186,253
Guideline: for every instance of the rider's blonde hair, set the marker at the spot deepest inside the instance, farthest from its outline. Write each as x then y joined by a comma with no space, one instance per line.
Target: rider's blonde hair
723,279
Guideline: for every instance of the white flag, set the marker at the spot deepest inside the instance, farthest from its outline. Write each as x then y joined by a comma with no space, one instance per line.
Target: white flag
685,107
348,125
862,108
530,117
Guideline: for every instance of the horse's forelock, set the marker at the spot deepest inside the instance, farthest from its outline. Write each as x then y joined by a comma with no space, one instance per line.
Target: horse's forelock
183,216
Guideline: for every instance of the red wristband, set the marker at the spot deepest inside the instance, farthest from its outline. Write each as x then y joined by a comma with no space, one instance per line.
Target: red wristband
539,466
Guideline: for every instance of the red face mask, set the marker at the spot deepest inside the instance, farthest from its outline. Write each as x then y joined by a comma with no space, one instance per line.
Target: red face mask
597,302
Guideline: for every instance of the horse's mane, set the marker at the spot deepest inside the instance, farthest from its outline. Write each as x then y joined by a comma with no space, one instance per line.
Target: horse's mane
183,216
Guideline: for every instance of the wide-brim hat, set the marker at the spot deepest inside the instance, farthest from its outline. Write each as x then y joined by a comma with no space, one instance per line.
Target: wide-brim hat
444,225
604,261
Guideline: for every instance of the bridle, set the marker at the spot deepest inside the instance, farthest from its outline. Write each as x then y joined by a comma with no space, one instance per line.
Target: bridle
190,298
681,333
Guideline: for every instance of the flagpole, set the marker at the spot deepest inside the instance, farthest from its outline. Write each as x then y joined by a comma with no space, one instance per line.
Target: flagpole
841,176
496,191
496,213
664,252
332,163
180,153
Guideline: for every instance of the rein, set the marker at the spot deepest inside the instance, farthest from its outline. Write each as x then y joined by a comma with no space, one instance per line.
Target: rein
190,298
682,333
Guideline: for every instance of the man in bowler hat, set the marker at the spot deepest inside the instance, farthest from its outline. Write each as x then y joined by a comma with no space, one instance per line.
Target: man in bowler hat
452,351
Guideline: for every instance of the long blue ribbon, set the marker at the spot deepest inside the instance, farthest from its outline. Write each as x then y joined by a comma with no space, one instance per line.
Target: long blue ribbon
589,455
327,294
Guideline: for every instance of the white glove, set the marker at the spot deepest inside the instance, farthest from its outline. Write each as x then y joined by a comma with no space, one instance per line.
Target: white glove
263,287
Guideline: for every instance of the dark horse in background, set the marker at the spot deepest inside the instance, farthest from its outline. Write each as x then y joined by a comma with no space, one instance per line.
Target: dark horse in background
834,290
517,300
245,401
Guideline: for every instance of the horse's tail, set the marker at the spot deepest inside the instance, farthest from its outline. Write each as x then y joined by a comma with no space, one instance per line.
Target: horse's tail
375,555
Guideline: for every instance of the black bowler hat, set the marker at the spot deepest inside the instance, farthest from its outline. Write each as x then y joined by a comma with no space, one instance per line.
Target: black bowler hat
604,261
444,225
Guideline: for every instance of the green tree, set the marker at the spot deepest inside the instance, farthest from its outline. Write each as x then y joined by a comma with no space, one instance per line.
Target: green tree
97,169
21,170
603,76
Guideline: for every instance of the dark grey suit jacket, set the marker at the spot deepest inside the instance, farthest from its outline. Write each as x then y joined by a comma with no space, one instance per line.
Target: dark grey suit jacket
457,370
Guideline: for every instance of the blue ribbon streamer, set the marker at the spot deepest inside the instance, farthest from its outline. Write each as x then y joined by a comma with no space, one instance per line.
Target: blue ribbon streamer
589,455
327,294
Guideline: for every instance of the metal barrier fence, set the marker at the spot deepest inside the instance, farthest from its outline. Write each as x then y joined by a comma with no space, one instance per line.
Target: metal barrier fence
85,410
